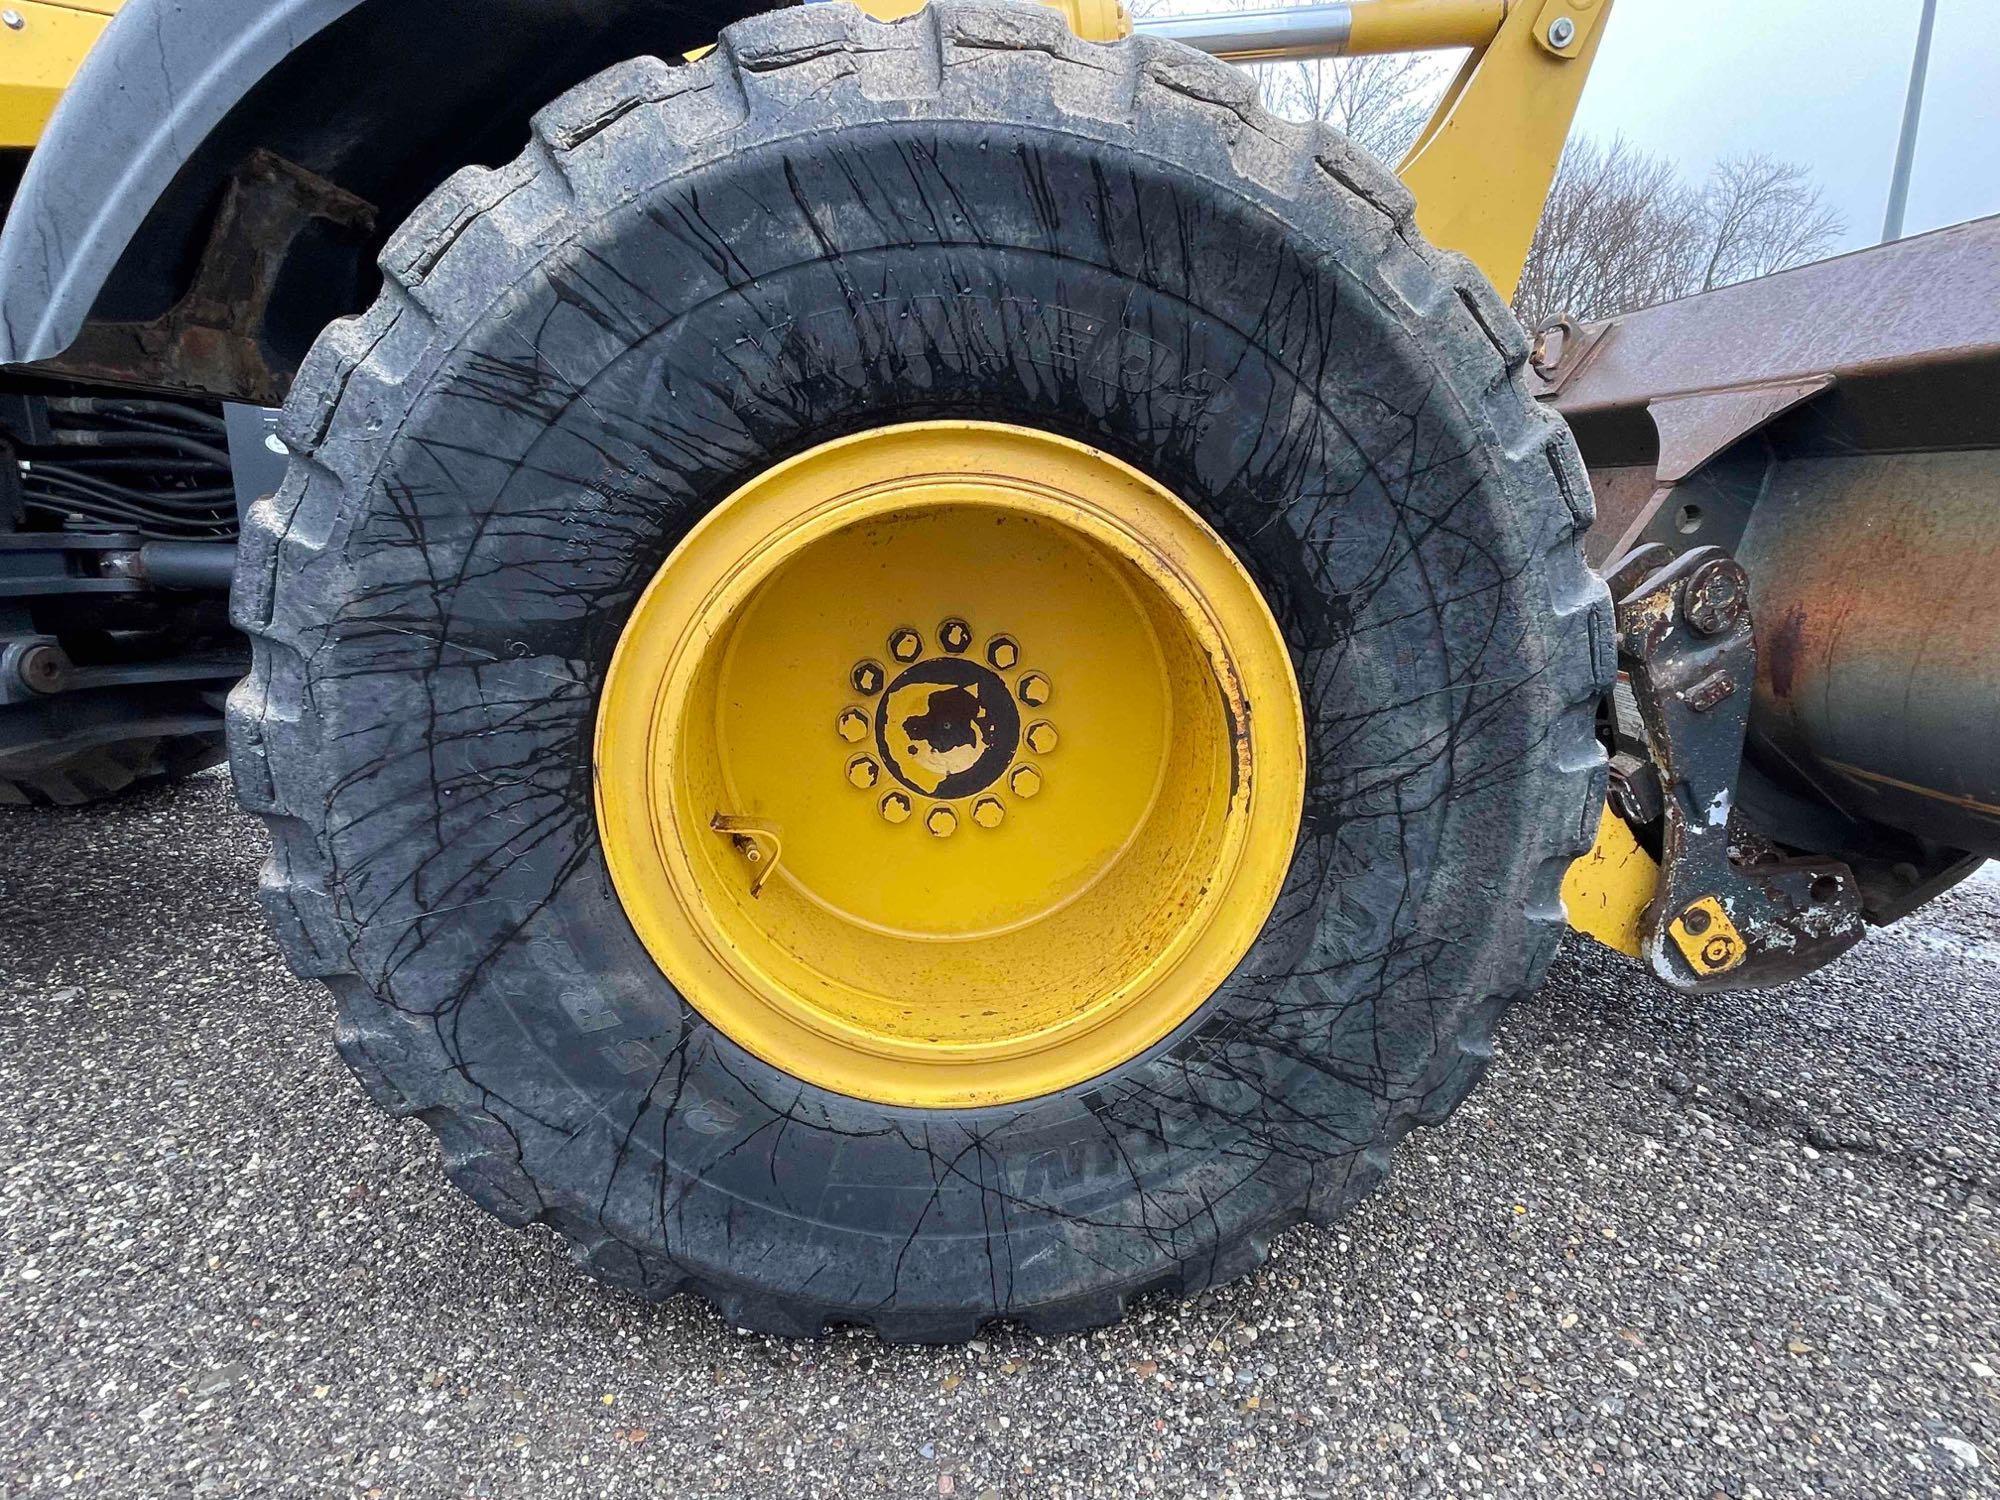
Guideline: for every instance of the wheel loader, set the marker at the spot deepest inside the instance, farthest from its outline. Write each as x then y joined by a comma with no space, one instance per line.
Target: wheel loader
907,665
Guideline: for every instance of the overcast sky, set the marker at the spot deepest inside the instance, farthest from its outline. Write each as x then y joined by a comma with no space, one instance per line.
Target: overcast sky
1819,82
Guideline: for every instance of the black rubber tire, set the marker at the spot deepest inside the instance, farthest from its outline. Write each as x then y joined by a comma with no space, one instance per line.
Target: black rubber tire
825,225
105,771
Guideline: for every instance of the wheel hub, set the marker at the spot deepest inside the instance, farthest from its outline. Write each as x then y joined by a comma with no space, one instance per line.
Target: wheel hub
948,727
840,808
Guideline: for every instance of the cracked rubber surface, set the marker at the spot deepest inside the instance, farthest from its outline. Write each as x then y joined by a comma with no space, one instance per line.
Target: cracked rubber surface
830,224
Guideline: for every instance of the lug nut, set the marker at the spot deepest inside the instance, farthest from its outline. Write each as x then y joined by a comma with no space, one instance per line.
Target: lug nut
1035,689
852,725
867,677
1041,736
905,644
863,771
895,807
1026,781
1003,651
988,812
942,822
954,635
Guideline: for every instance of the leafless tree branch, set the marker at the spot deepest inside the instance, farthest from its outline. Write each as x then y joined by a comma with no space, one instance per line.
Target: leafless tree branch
1623,229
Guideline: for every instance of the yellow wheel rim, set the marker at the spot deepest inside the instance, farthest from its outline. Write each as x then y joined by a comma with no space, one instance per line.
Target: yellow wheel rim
949,764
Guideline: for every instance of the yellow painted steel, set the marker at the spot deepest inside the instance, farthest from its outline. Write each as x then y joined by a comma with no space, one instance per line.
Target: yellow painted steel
1708,940
949,764
1605,893
1482,167
1423,25
38,58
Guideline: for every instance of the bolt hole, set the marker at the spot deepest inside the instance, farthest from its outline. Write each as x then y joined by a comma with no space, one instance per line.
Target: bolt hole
1687,521
1826,888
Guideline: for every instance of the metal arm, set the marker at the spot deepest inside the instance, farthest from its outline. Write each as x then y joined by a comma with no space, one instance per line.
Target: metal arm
1296,33
1482,167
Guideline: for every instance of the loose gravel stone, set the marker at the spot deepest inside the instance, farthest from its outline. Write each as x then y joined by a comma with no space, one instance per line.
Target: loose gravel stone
1742,1246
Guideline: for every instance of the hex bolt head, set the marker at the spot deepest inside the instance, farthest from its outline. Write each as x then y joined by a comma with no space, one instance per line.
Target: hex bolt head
1041,736
1004,652
1035,689
1026,781
863,771
941,822
852,725
989,812
955,636
1562,31
1715,596
1695,920
867,678
14,19
895,807
905,644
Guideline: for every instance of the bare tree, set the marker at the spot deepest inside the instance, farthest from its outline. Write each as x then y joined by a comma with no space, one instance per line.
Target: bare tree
1761,215
1619,230
1623,229
1378,102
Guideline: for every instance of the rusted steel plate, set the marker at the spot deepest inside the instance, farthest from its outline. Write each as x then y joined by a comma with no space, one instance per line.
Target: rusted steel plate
1932,299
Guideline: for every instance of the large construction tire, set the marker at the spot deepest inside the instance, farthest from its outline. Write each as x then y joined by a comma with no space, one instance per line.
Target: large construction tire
964,244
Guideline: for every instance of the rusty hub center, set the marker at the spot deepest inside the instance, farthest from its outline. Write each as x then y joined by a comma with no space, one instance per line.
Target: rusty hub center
948,726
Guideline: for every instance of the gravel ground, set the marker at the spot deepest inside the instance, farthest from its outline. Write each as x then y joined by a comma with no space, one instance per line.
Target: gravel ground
1744,1246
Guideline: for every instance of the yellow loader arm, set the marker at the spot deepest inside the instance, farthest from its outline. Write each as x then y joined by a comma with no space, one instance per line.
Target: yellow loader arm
1481,167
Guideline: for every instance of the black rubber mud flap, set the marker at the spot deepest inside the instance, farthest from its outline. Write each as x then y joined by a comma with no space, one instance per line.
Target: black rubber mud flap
826,225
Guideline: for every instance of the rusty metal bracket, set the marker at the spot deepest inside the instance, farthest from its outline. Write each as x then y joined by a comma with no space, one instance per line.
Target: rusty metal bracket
211,340
1729,913
1561,348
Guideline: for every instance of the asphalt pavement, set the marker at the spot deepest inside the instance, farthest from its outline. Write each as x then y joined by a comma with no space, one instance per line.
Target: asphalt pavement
1742,1246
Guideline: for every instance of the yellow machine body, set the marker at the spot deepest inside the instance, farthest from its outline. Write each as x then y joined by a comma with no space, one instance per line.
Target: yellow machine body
41,47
